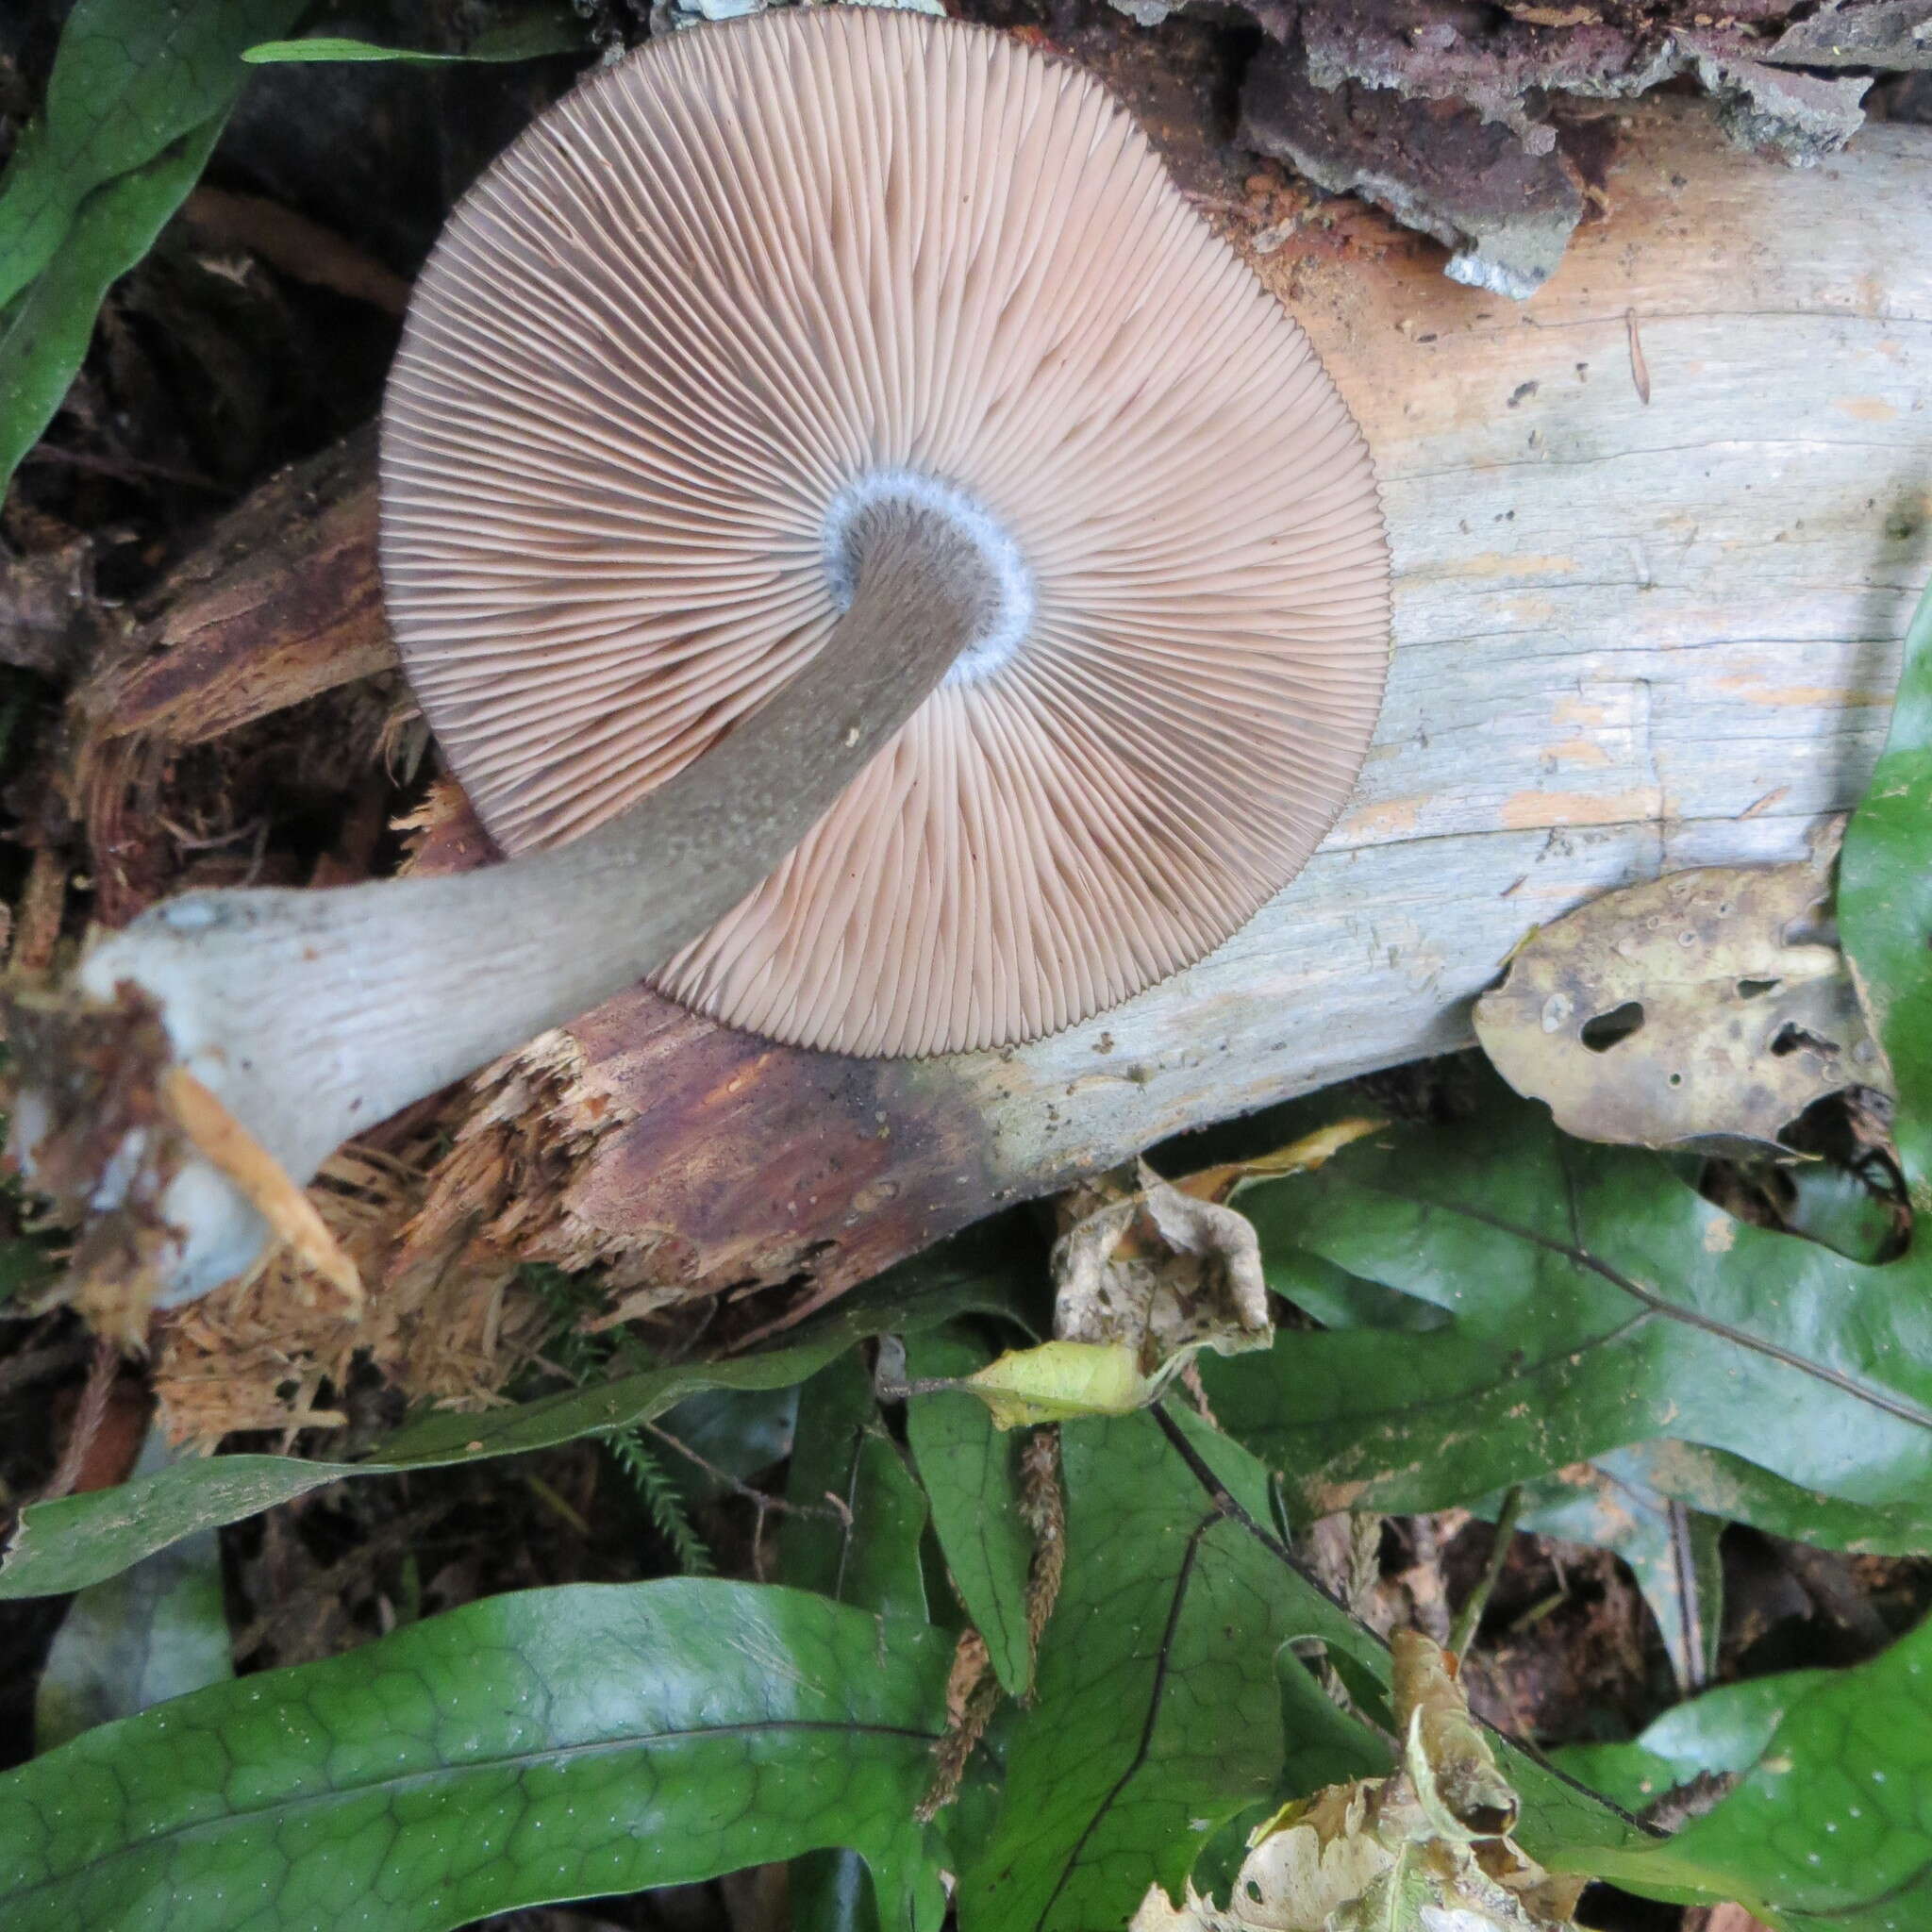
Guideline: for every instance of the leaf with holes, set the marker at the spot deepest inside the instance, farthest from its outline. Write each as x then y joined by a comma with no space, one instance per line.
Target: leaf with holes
550,1744
1693,1007
1589,1300
1593,1299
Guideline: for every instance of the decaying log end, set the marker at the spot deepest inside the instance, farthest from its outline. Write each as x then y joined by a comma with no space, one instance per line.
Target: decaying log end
88,1097
1658,534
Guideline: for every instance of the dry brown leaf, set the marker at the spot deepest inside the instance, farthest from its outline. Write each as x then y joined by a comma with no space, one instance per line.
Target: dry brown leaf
1413,1851
1451,1764
1300,1157
1141,1284
1164,1274
1693,1009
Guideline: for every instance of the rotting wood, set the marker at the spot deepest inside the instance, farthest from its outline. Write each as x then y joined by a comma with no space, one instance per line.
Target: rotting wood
1633,635
281,604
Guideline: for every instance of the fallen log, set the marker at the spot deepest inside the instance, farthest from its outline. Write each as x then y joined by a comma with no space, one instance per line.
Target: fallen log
1657,534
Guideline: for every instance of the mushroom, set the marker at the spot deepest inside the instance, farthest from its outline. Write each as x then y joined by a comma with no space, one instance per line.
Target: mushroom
878,561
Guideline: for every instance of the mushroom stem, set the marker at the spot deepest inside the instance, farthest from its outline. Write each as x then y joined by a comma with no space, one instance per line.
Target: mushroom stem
312,1015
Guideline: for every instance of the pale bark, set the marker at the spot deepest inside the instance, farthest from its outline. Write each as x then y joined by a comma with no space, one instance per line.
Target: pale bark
1632,635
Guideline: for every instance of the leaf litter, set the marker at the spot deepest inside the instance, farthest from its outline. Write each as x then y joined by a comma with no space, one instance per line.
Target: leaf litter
1704,1009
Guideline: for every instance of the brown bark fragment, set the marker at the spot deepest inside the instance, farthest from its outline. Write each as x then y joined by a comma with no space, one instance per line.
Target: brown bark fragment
281,604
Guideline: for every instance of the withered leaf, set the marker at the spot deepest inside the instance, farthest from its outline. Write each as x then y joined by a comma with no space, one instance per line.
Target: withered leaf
1699,1008
1424,1850
1141,1286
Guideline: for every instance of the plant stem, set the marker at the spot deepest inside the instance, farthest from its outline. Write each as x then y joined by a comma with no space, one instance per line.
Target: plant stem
1463,1630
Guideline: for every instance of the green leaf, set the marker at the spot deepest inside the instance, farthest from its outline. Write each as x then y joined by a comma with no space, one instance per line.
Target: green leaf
137,96
1734,1490
1157,1712
45,331
1064,1382
971,1472
829,1891
1562,1823
1726,1729
1163,1700
156,1631
869,1557
76,1540
1885,904
619,1404
859,1544
550,1744
1671,1551
1594,1301
1591,1301
1833,1826
545,31
739,1433
1325,1745
26,1265
130,81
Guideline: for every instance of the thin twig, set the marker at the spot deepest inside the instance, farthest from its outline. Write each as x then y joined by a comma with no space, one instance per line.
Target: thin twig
759,1499
88,1419
1477,1601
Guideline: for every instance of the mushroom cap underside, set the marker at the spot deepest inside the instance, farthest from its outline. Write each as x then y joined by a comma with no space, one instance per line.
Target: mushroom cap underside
758,273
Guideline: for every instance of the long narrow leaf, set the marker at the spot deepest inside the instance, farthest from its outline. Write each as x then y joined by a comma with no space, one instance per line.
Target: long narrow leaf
77,1541
131,79
44,333
552,1744
1885,902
